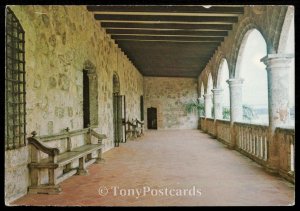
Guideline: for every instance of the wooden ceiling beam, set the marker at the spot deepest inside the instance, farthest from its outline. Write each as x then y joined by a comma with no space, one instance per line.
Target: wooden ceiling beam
169,26
167,38
166,18
168,9
166,33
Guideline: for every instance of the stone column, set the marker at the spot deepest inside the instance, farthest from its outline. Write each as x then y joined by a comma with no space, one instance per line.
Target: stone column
207,105
200,100
236,106
217,102
277,66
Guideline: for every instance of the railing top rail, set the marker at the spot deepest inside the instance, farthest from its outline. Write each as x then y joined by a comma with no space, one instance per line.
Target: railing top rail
223,121
251,125
290,131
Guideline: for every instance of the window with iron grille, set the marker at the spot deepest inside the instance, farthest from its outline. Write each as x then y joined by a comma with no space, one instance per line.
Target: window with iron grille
15,116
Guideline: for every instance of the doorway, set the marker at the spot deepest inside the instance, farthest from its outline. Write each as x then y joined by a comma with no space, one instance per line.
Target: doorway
118,112
152,118
86,99
90,95
142,107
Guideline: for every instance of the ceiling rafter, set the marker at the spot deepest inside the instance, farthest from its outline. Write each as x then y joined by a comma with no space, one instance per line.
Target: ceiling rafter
167,40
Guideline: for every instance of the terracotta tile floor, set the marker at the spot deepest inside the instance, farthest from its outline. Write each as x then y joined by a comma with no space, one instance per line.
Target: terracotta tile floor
171,161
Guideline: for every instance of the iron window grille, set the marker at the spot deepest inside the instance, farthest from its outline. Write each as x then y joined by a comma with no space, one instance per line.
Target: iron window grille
15,100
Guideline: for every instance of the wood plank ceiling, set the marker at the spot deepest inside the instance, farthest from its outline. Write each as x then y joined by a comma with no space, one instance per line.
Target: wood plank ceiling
172,41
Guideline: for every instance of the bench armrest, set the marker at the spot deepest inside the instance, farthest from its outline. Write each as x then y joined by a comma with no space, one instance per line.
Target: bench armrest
38,145
98,135
139,122
130,123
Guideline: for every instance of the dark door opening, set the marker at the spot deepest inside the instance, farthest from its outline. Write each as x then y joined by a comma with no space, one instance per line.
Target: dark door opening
86,99
152,118
142,107
119,116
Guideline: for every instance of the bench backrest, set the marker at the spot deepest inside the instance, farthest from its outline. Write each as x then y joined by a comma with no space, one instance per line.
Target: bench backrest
65,141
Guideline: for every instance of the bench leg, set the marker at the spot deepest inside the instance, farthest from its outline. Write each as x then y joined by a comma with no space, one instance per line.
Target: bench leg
81,168
99,158
135,134
50,188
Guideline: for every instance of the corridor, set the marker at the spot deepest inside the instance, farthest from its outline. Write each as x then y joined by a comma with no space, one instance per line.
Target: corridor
171,161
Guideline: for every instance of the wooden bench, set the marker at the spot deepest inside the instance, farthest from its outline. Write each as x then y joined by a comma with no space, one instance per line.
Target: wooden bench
139,127
129,130
134,129
55,160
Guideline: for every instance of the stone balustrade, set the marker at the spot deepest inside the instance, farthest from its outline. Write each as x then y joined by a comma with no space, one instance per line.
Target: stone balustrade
210,126
202,123
286,144
254,142
223,130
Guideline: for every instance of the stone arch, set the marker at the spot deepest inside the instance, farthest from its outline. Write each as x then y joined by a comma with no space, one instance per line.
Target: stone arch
90,94
89,66
219,73
276,25
238,60
243,31
286,30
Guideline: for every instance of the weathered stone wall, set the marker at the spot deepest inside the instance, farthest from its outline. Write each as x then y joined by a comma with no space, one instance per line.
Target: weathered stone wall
60,41
169,96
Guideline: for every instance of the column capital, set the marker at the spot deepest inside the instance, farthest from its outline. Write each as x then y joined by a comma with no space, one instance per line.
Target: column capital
217,91
277,60
235,81
206,96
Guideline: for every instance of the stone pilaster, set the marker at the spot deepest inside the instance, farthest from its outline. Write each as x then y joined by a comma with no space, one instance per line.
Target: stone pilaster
277,66
217,102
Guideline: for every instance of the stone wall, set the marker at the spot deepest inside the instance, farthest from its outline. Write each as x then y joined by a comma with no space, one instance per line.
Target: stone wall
59,42
169,96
